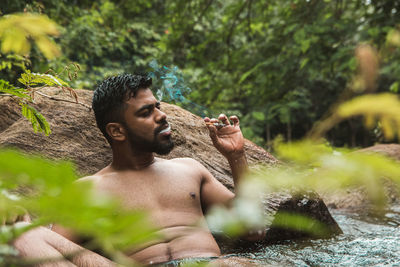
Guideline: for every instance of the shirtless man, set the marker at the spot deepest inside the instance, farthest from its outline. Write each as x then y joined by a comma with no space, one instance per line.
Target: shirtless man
176,192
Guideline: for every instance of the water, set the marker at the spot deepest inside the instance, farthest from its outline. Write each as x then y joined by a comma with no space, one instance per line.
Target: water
366,241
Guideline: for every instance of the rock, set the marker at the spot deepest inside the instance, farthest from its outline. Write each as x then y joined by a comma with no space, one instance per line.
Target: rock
307,205
283,209
76,137
356,199
390,150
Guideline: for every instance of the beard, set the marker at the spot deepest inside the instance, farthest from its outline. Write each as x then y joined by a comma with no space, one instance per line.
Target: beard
160,147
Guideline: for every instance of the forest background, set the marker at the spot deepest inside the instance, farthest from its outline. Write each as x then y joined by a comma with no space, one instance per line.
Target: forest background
279,65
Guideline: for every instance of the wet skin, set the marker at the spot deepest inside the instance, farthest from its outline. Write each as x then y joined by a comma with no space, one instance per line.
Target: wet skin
175,192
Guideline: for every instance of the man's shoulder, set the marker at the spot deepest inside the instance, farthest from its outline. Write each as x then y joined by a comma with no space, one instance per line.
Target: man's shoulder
188,163
90,178
97,176
184,161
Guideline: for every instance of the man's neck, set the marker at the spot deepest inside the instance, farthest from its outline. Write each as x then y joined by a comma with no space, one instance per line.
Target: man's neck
131,160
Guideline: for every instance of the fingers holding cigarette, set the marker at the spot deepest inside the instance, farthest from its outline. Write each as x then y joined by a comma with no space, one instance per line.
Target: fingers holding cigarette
214,122
222,121
235,120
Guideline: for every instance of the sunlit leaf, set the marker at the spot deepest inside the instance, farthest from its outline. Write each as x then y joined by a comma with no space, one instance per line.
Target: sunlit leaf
6,87
30,79
383,107
393,37
305,152
17,29
39,123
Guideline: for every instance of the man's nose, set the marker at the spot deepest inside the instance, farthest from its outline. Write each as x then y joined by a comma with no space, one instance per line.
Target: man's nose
160,116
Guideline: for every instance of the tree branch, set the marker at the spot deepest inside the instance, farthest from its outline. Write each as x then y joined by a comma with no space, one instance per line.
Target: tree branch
249,16
230,33
62,100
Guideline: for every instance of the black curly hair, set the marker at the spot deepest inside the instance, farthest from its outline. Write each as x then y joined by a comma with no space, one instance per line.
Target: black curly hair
110,96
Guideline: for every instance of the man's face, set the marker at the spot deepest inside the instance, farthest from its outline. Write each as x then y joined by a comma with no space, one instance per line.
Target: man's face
146,124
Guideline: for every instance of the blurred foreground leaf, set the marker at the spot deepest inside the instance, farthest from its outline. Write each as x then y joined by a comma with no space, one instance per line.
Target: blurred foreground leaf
384,108
55,198
310,166
17,29
300,223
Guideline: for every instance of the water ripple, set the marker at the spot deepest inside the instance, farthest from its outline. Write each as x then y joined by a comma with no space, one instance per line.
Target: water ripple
365,241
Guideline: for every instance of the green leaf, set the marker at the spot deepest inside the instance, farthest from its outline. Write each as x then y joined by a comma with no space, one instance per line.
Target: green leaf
58,198
258,115
15,30
6,87
39,123
299,222
384,107
304,62
30,79
252,70
394,88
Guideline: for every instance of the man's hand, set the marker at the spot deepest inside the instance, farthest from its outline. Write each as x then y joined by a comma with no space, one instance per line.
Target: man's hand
14,217
228,139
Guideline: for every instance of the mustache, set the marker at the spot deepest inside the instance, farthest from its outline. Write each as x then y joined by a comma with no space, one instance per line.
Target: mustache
164,124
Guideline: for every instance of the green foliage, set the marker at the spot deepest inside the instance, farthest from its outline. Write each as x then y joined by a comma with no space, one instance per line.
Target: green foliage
25,96
300,223
17,29
237,56
7,88
14,33
384,108
35,79
39,123
309,166
13,60
55,198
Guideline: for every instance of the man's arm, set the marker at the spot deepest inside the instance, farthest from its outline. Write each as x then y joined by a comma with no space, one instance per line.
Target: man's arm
212,192
229,142
43,247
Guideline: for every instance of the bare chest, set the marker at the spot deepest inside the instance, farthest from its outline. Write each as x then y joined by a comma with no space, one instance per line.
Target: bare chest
171,190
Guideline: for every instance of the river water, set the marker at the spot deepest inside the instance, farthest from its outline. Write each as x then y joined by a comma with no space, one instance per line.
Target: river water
365,241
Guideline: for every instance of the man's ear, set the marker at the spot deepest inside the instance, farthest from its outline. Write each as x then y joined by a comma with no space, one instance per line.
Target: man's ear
116,131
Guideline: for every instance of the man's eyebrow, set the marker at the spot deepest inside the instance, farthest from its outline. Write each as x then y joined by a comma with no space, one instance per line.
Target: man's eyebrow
148,106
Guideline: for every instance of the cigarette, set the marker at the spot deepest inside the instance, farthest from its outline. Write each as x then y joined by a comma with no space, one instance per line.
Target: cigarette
216,124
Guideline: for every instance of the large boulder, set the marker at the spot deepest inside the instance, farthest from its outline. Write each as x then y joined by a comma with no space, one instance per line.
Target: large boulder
76,137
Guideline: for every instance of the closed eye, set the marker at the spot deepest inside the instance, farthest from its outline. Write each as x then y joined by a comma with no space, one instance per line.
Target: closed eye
147,110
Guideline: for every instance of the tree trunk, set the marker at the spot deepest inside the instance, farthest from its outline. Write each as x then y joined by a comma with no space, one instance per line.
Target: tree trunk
268,134
289,131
